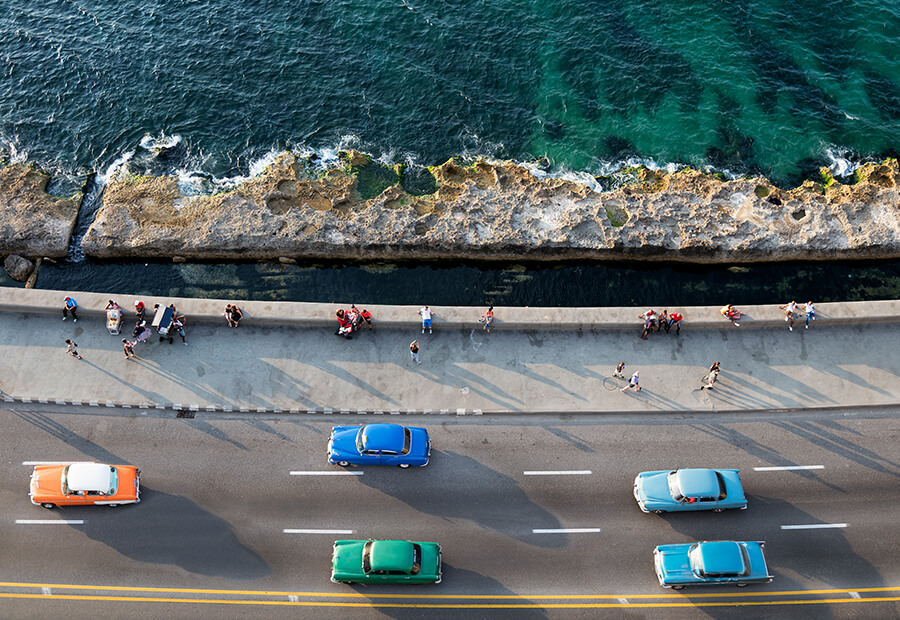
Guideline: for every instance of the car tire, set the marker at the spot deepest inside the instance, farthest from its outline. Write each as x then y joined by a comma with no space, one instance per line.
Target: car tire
718,510
112,505
344,463
742,585
678,587
659,512
403,465
48,505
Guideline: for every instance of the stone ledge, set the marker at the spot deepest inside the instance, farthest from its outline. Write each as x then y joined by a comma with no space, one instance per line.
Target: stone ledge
271,313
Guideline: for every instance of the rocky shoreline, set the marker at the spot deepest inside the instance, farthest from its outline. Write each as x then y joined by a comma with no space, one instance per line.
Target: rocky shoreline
360,209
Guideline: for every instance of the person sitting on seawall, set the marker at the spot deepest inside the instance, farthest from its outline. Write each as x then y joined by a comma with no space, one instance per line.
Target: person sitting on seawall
488,319
112,305
233,315
732,314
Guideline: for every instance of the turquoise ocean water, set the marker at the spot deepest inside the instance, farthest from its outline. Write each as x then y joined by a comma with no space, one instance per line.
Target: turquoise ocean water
744,86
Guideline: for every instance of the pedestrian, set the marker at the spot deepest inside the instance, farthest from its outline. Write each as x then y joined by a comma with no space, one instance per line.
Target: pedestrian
715,366
675,321
367,317
732,314
789,309
178,325
810,313
414,351
488,318
345,329
426,315
129,348
140,332
355,318
663,321
233,315
139,309
72,348
618,371
633,382
710,380
70,305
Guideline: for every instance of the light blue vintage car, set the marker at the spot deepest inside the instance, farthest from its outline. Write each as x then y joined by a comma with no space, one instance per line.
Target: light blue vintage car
710,564
689,489
379,444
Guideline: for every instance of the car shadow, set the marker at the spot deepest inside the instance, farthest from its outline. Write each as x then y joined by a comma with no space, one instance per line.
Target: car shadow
515,517
170,529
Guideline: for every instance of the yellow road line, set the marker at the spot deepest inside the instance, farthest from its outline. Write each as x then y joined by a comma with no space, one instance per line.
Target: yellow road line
136,599
662,595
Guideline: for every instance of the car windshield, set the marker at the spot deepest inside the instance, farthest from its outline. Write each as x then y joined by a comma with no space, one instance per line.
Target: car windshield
113,480
417,557
360,446
65,480
407,440
674,489
722,492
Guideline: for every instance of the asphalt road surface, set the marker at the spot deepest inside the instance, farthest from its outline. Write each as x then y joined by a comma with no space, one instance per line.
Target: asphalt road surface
535,515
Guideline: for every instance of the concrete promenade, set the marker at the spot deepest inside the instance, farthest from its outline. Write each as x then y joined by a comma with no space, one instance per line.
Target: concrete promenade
285,357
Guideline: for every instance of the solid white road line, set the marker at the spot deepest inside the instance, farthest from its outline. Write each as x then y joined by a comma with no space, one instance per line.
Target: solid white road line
318,531
327,473
572,472
49,522
571,530
53,462
789,468
813,526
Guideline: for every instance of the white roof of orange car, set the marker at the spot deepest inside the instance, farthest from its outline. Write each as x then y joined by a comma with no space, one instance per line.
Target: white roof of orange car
88,477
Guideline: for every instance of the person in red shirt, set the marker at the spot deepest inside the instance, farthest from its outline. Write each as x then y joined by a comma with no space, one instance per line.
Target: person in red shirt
675,321
345,327
367,317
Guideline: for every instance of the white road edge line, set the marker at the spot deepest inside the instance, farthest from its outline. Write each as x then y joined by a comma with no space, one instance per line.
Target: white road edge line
49,522
571,472
813,526
571,530
327,473
789,468
318,531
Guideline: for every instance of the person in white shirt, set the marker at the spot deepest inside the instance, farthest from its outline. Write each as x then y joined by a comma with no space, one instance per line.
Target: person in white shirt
789,309
810,313
426,314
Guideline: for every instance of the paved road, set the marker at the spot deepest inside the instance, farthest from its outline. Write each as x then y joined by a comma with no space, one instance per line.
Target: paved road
550,371
218,495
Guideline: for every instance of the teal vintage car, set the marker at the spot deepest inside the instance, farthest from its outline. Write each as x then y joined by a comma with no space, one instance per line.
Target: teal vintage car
385,561
711,563
689,489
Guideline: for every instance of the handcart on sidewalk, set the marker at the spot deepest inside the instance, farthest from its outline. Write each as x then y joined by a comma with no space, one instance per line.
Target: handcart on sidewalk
114,320
162,321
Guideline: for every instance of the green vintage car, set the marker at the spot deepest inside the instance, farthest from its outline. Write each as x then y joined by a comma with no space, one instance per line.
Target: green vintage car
385,561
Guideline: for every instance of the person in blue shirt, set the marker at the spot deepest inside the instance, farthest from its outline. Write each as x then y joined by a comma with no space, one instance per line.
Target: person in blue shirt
70,305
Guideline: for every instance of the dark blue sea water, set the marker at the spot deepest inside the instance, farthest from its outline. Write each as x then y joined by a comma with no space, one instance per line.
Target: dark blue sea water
766,86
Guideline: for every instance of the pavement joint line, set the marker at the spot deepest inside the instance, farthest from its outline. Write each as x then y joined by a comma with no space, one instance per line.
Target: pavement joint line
304,531
814,526
570,472
569,530
789,468
50,522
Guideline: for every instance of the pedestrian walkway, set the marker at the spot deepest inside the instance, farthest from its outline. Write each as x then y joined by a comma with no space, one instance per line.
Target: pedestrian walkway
267,366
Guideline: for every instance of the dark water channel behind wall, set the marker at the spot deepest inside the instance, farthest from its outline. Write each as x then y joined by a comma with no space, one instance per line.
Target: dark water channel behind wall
503,284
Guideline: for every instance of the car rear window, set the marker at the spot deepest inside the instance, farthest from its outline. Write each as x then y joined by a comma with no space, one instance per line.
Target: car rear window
722,492
407,440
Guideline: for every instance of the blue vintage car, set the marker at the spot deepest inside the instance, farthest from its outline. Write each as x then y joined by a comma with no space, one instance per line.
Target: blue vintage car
379,444
711,563
689,489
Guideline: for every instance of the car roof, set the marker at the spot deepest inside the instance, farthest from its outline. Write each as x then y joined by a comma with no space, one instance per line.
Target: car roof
383,437
88,477
391,555
698,482
723,557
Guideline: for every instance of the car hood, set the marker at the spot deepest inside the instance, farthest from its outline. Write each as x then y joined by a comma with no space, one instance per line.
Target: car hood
654,487
343,439
347,556
46,481
674,561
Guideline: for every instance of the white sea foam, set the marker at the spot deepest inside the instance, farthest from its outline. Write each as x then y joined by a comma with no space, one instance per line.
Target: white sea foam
159,143
839,162
119,165
17,154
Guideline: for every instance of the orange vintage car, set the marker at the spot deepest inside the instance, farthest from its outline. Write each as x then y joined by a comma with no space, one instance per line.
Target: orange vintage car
82,484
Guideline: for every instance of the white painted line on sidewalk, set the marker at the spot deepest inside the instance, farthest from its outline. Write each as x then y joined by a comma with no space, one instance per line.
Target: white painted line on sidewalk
327,473
318,531
570,472
813,526
789,468
49,522
571,530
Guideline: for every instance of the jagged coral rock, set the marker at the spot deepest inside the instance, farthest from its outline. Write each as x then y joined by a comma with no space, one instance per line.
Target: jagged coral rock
501,210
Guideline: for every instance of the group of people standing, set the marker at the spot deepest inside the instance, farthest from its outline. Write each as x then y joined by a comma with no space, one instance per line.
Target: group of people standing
654,322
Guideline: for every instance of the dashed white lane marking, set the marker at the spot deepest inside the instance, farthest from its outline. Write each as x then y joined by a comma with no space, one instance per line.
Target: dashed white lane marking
855,595
46,591
53,462
789,468
327,473
571,472
318,531
814,526
623,601
49,522
293,598
571,530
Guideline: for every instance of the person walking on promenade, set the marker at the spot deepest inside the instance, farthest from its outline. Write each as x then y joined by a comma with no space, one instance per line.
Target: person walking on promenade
426,314
72,348
70,305
139,309
633,382
789,309
716,366
488,318
414,351
367,317
732,314
810,312
675,321
129,348
178,326
710,380
618,371
663,321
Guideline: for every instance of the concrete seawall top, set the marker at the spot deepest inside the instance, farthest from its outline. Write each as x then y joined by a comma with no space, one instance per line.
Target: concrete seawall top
505,318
